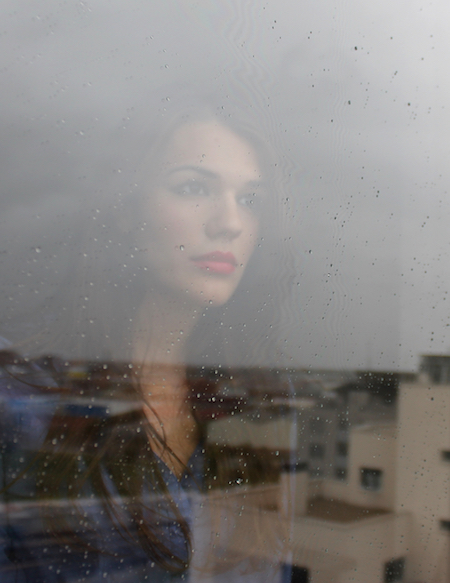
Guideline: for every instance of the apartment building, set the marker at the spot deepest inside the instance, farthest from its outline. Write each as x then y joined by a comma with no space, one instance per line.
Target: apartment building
389,519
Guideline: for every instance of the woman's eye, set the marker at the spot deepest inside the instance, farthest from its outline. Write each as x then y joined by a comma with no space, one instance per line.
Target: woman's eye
192,188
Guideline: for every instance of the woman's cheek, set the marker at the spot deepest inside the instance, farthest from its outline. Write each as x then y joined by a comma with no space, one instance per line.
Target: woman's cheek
182,224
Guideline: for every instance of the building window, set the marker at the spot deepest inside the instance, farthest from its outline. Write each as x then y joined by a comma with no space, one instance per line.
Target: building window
393,570
342,448
294,574
317,426
343,424
299,575
371,479
316,472
340,473
316,451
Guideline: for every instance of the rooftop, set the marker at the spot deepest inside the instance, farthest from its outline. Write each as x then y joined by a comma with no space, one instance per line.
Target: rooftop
337,511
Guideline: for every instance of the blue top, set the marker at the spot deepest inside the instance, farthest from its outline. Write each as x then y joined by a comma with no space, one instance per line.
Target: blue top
29,554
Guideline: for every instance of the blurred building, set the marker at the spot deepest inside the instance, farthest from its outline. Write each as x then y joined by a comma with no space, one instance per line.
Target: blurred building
366,479
388,518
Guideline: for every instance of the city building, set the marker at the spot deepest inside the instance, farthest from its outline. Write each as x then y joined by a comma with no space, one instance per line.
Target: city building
388,519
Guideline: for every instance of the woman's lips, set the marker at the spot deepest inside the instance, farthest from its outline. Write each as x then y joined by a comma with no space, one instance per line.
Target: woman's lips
217,262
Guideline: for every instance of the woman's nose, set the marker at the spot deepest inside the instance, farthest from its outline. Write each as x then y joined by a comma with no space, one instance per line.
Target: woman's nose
225,220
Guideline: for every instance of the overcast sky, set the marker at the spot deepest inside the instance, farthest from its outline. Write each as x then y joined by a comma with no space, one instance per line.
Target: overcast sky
361,93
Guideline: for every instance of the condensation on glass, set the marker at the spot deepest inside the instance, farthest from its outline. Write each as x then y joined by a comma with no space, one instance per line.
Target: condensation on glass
223,342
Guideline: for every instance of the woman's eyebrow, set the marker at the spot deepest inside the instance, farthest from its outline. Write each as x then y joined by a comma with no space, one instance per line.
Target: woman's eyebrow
199,169
210,174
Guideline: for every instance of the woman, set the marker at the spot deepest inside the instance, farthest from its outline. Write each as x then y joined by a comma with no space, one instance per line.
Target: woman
122,493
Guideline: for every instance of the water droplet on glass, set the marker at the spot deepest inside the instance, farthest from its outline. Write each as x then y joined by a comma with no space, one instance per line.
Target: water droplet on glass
181,247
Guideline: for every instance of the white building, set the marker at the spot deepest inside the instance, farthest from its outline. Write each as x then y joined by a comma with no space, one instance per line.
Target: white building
423,478
390,520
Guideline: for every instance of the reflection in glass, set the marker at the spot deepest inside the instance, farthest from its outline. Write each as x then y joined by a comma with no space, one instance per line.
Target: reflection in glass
113,467
285,433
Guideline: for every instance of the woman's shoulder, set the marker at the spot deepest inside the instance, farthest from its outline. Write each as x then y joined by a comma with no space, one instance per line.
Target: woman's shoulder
28,398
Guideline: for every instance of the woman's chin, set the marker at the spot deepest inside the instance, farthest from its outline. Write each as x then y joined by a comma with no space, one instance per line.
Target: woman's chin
216,298
196,295
210,301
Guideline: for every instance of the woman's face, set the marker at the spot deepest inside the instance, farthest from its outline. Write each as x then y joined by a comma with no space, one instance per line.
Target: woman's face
202,213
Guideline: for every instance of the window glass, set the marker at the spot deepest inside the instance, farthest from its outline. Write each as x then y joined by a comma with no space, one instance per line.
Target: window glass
394,570
371,479
224,347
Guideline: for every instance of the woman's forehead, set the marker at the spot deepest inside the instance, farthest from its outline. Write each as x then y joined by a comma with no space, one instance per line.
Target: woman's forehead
214,146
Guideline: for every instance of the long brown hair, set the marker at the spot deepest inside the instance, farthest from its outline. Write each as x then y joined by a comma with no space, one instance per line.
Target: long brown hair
113,455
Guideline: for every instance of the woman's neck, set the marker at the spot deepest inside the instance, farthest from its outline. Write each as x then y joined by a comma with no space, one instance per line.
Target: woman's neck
162,330
164,324
176,432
